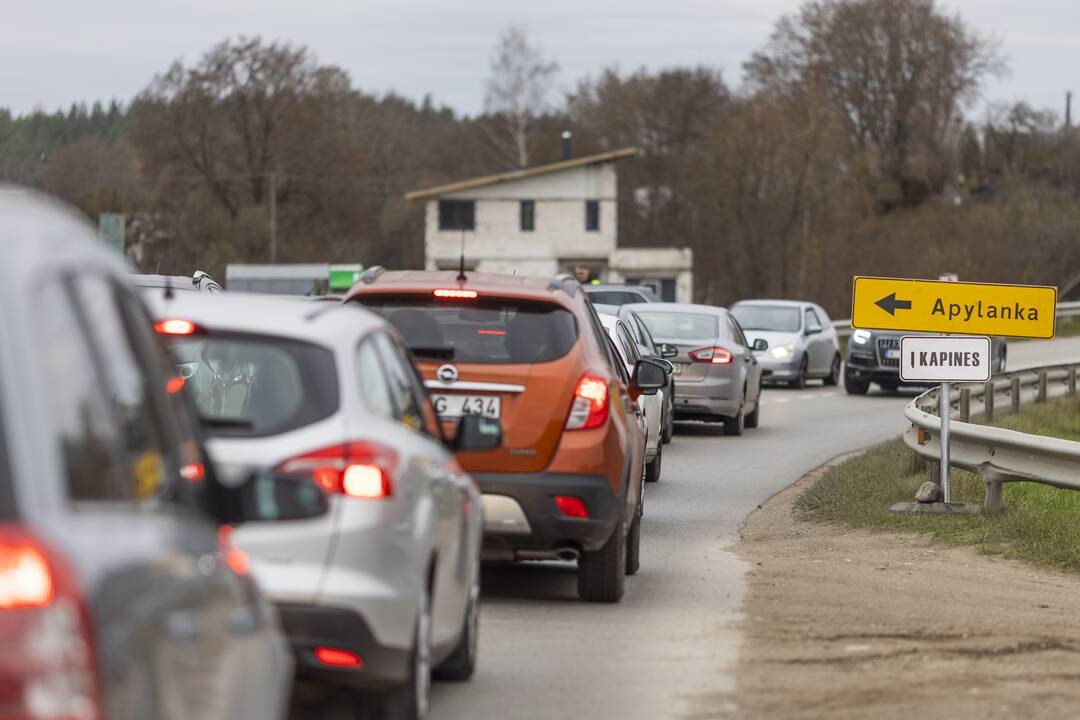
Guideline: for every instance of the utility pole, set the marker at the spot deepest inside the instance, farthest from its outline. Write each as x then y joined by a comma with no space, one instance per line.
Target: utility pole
273,217
1068,109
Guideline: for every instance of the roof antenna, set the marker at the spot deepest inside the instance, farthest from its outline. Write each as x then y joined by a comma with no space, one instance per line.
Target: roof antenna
168,288
461,277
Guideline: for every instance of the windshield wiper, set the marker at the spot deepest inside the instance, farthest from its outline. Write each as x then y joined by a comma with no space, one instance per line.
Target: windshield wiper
228,423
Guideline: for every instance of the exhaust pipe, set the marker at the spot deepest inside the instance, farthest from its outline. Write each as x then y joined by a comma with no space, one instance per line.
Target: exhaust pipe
568,553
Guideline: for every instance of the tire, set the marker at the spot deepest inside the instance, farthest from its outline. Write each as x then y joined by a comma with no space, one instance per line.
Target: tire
754,418
735,425
633,546
855,387
412,700
833,378
799,382
601,574
652,469
461,664
667,432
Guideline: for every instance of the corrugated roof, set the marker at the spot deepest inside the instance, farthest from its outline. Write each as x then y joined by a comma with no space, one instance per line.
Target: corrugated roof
520,174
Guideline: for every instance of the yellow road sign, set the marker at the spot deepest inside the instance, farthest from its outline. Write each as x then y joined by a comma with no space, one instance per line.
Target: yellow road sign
954,307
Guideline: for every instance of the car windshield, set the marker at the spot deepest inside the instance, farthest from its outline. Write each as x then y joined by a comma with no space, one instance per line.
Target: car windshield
615,297
680,325
492,330
777,318
256,385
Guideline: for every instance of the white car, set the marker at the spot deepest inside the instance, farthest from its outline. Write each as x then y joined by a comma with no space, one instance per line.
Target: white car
653,405
383,590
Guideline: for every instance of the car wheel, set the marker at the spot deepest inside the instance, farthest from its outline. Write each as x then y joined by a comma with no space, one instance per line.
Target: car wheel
735,425
833,378
461,664
754,418
633,546
412,700
601,574
668,431
800,381
652,469
855,387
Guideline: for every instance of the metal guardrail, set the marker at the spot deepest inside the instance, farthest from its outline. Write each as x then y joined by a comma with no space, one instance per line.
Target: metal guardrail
994,454
1064,310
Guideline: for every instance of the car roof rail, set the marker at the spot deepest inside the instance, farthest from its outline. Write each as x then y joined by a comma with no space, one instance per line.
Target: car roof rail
372,274
565,282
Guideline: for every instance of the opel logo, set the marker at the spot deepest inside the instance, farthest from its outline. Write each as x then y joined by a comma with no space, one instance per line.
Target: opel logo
447,374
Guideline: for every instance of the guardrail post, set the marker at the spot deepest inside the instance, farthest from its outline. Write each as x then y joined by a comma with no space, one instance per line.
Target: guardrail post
1014,390
988,402
1072,381
965,404
1041,397
992,499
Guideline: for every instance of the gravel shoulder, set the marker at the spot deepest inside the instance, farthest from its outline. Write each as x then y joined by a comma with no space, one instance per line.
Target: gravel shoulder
846,623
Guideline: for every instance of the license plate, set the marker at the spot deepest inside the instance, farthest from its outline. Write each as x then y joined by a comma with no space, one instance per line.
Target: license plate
452,406
892,354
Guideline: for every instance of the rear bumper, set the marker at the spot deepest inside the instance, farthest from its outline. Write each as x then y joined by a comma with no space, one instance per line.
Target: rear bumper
310,626
521,520
699,400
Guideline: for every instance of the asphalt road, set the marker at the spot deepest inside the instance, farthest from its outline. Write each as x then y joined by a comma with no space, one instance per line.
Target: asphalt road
667,650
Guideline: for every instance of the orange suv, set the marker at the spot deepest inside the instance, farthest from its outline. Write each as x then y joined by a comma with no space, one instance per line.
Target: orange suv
568,480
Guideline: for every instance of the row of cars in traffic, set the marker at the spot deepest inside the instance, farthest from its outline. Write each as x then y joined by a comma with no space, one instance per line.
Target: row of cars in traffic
208,496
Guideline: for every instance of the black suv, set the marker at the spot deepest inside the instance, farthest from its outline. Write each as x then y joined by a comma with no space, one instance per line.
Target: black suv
873,356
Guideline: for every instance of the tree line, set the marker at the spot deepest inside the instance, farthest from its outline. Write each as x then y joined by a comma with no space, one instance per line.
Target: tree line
850,146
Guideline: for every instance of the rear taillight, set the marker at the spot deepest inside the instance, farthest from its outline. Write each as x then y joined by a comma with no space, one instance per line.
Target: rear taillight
571,506
47,666
590,406
356,469
336,657
175,326
714,355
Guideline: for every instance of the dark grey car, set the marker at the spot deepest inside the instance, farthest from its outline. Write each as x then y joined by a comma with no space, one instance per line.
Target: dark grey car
120,597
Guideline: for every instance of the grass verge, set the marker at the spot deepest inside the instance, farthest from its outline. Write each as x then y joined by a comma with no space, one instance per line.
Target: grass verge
1039,524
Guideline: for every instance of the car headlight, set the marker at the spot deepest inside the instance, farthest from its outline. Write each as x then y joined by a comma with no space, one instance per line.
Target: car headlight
861,337
782,351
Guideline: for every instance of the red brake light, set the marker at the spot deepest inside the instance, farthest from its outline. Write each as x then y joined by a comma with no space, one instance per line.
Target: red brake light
336,657
456,294
571,506
590,406
235,558
48,667
490,332
174,385
175,326
357,469
714,355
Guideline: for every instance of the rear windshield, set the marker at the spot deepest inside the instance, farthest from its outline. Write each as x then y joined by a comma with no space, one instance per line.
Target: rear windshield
777,318
615,297
252,386
680,325
495,330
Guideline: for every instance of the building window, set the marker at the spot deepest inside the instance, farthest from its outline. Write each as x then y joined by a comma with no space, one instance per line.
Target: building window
457,215
592,215
528,215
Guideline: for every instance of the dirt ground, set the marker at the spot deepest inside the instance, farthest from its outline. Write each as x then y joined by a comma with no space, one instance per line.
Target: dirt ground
849,624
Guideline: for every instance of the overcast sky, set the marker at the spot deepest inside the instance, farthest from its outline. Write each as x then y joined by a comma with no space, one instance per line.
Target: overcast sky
54,52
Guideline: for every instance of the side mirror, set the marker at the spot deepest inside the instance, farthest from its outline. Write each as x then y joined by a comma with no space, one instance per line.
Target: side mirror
266,497
668,366
649,376
476,433
667,350
759,345
814,330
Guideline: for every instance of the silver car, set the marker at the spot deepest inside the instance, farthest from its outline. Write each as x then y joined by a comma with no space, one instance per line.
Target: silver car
802,342
121,596
717,375
384,588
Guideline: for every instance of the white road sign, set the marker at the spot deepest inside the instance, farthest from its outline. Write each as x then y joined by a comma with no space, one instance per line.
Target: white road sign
944,359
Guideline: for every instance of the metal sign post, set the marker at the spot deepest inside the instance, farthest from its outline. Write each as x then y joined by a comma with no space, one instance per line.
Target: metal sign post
945,413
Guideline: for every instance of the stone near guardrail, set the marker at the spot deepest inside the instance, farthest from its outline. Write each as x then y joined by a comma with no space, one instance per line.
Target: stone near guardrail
928,492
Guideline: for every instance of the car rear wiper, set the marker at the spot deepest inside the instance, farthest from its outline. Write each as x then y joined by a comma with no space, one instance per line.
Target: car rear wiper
228,423
437,353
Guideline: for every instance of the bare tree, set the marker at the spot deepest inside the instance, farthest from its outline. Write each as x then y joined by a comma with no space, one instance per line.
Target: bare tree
517,93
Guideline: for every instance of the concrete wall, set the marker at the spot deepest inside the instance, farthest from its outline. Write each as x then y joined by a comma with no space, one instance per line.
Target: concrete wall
499,245
655,263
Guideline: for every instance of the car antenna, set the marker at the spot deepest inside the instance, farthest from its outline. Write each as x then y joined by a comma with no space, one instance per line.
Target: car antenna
168,287
461,277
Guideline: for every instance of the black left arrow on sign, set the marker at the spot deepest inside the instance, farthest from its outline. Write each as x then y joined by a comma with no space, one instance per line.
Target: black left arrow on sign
890,304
